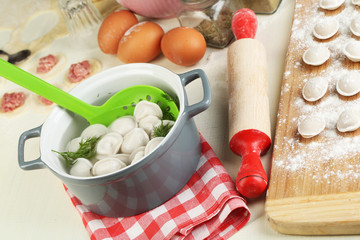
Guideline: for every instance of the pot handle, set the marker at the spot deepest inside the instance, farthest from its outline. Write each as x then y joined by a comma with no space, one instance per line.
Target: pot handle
204,104
34,164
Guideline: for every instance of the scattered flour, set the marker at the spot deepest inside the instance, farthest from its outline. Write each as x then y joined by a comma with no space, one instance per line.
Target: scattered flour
330,107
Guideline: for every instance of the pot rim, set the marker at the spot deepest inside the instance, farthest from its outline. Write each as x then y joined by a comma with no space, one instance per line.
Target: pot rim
92,82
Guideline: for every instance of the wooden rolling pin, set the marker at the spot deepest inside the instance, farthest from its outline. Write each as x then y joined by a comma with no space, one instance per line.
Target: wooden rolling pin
249,118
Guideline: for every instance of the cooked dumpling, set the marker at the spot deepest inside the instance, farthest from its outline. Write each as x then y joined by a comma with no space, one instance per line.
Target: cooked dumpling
109,144
145,108
73,145
134,139
148,123
137,154
123,125
94,130
123,157
81,168
152,144
107,165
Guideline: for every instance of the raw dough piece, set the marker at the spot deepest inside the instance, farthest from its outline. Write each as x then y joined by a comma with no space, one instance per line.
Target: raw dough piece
355,25
349,84
352,51
39,25
54,71
349,120
326,28
5,36
331,4
316,56
95,66
314,89
311,126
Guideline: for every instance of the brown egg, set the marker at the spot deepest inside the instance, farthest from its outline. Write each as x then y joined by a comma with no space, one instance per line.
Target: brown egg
113,28
141,43
183,46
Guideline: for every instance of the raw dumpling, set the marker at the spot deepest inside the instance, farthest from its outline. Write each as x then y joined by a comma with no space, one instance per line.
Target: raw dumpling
316,56
355,25
147,123
109,144
107,165
152,144
349,120
349,85
123,125
137,154
145,108
326,28
331,4
352,51
134,139
311,126
94,130
81,168
315,89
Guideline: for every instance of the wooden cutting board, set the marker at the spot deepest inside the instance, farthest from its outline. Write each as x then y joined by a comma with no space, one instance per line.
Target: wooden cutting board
314,186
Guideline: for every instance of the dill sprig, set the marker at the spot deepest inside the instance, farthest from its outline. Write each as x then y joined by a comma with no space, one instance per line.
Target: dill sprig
86,150
162,130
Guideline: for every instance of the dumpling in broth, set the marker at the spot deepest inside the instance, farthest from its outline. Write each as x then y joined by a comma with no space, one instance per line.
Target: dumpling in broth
134,139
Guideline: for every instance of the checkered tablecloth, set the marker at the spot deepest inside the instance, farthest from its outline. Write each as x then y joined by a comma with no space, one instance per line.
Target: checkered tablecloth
208,207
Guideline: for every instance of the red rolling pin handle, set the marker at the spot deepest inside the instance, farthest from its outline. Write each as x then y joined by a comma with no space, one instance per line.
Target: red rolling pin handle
250,144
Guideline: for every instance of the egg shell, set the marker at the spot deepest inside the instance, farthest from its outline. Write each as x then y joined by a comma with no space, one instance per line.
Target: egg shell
113,28
141,43
183,46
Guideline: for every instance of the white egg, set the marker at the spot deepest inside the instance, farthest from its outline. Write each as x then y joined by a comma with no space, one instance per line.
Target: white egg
314,89
107,166
355,25
81,168
331,4
123,157
326,28
147,123
74,145
352,51
134,139
349,120
311,126
356,2
137,154
145,108
109,144
316,56
94,130
123,125
349,84
152,144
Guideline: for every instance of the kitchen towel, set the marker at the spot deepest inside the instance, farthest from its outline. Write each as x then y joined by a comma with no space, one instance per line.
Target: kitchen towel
208,206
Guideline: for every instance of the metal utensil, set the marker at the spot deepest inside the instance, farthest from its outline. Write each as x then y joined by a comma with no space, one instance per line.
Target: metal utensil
16,57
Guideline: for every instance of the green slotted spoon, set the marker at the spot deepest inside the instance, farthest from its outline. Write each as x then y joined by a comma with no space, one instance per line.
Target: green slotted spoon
120,104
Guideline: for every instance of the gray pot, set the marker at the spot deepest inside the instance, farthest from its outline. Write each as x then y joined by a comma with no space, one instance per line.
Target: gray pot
145,184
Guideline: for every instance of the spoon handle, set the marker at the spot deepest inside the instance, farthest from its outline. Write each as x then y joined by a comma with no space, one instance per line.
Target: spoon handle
46,90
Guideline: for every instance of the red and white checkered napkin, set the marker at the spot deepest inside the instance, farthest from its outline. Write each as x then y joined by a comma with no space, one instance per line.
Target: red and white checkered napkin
207,207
